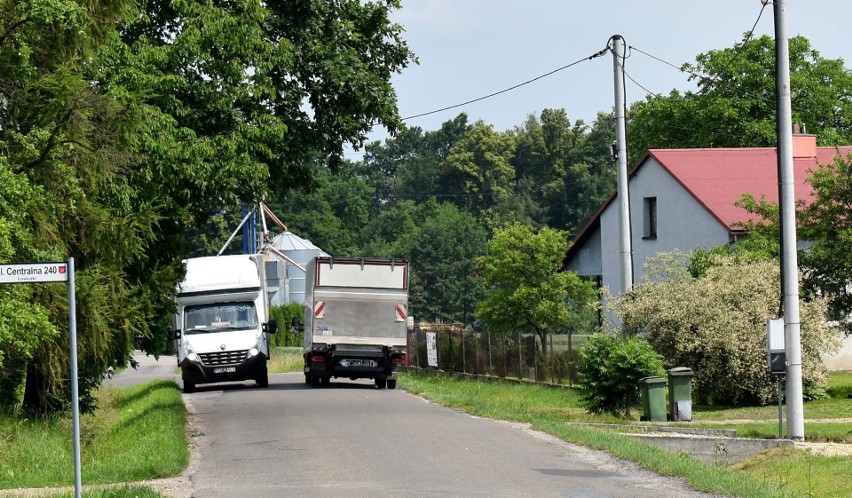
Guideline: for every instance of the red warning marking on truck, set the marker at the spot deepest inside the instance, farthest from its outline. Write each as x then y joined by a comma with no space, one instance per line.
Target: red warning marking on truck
401,312
319,309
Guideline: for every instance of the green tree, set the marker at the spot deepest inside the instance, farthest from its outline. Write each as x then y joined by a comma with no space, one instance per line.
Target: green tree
735,103
825,223
525,287
445,281
480,165
331,214
568,166
126,124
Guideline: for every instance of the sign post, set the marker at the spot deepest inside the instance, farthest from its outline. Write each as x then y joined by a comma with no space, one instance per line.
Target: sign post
32,273
776,357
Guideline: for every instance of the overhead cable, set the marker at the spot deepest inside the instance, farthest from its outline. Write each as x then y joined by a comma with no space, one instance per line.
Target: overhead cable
593,56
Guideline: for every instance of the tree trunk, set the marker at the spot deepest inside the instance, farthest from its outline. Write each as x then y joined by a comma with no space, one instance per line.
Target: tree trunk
33,402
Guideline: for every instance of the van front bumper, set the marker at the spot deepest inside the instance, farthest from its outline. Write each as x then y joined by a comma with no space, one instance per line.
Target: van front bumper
199,372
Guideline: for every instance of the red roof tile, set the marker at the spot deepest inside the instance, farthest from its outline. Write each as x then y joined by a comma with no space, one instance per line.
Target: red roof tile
718,178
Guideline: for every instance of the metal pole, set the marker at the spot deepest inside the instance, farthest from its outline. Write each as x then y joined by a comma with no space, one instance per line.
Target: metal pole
780,411
787,204
620,152
227,242
75,395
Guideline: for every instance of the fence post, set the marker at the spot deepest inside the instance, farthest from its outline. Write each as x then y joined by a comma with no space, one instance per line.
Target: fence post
520,356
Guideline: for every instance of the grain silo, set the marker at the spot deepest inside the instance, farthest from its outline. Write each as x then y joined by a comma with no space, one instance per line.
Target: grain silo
285,276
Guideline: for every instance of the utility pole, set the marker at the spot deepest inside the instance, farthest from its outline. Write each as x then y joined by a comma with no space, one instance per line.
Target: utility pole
619,151
787,204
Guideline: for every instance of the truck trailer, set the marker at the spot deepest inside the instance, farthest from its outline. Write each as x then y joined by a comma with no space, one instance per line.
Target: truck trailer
221,324
355,319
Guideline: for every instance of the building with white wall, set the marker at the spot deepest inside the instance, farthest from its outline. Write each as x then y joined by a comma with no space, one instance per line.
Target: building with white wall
684,199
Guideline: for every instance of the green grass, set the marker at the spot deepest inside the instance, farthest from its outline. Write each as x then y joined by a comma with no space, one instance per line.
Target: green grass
285,360
554,410
137,433
801,473
762,421
127,491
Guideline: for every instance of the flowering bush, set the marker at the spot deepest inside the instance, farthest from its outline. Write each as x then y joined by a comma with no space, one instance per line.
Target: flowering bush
716,325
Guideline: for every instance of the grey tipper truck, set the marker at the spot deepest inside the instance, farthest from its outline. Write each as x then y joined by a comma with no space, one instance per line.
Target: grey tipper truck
355,319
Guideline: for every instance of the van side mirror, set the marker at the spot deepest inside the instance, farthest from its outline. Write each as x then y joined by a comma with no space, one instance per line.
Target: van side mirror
271,326
296,325
173,334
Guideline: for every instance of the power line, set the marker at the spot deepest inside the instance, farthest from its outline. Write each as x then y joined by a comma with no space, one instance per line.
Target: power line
593,56
746,38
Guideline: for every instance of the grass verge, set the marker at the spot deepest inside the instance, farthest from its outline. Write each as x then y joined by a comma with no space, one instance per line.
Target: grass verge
135,434
285,360
552,410
800,473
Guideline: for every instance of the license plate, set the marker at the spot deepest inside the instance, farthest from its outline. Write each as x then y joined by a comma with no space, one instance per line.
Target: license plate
357,363
222,370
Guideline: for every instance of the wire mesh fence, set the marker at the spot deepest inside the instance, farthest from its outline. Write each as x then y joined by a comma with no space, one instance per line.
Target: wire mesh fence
450,347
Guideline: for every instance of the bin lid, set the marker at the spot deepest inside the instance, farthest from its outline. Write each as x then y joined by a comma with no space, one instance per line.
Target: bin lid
653,380
681,371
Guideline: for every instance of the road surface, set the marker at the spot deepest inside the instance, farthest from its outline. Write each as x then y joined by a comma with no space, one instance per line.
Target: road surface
351,439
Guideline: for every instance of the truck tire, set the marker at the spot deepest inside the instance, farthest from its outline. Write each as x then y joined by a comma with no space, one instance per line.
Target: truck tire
307,378
391,383
315,380
188,387
381,383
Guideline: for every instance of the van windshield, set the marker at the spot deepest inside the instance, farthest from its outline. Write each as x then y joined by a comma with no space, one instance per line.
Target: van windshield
219,317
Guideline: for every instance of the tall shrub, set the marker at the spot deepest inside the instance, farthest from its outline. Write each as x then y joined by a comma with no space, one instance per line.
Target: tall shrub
610,368
284,315
716,325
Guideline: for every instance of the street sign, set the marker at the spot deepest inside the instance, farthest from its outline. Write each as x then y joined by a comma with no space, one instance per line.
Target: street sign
431,349
59,271
28,273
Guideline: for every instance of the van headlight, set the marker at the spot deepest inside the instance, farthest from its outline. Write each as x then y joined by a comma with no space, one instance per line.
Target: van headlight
253,352
192,357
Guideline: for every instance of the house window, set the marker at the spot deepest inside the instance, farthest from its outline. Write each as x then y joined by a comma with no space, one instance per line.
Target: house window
650,218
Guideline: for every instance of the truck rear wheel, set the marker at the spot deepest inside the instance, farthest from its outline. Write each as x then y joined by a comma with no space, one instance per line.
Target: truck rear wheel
391,383
381,383
315,380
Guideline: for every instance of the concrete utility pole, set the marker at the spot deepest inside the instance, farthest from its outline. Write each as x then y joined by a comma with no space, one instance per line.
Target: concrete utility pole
787,204
620,153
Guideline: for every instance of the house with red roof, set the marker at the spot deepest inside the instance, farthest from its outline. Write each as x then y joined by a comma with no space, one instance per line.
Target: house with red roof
683,199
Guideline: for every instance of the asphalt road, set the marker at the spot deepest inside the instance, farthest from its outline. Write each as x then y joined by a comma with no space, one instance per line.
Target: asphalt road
351,439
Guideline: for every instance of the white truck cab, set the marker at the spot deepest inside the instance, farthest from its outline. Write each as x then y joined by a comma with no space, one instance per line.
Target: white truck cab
221,323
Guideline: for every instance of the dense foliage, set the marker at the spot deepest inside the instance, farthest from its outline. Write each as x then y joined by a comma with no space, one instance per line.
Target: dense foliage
716,325
735,104
133,133
125,125
525,287
610,368
827,225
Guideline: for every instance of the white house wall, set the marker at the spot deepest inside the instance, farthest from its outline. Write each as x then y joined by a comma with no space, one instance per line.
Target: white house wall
587,263
682,224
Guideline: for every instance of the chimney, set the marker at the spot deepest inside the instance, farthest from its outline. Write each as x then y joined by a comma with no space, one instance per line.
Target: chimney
804,145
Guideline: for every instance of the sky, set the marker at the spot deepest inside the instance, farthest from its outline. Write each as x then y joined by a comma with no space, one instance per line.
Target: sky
468,49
